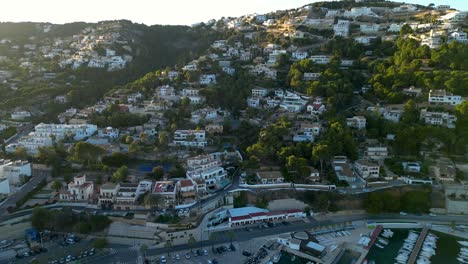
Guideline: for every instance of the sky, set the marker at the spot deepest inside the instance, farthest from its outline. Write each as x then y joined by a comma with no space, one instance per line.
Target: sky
150,12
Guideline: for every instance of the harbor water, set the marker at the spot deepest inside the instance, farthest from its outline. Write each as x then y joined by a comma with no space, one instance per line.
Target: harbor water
446,250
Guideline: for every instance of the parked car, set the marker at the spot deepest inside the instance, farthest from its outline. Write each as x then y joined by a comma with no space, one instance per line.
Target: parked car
403,213
163,259
177,256
246,253
187,255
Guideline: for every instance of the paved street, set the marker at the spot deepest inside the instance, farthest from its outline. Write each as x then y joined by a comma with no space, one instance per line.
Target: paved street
36,178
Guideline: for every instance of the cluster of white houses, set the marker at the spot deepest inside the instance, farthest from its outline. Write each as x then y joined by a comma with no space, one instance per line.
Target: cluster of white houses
13,173
123,196
45,135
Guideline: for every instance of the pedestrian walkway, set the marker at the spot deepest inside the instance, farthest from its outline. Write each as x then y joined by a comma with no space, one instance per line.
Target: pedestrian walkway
417,247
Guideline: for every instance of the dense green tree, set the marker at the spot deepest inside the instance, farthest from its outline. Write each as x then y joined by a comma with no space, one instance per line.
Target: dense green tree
120,174
40,218
56,185
321,152
87,153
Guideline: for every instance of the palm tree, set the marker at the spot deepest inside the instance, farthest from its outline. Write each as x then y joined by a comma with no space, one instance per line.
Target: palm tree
143,249
153,200
230,235
213,238
56,185
191,241
168,245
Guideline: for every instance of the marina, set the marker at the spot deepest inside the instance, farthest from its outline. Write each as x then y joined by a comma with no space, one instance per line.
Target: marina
436,248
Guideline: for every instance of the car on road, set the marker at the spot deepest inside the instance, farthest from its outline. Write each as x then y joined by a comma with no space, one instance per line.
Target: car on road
403,213
246,253
177,256
432,214
163,259
205,252
187,255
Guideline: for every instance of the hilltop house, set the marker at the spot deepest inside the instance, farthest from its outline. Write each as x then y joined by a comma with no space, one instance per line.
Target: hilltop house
14,171
270,177
366,169
78,190
167,189
190,138
358,122
443,97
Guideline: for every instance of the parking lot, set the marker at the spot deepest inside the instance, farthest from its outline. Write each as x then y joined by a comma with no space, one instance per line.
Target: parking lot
218,254
58,249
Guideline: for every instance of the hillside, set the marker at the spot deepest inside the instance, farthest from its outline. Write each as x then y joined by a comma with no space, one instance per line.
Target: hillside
39,61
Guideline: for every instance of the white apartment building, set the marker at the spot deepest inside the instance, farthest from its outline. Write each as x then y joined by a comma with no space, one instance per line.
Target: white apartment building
341,28
366,169
204,114
4,186
126,196
107,193
394,28
190,138
320,59
433,42
134,98
79,132
164,91
365,40
458,36
78,190
187,190
310,76
263,69
108,132
31,142
444,97
206,79
206,167
343,169
20,115
14,171
167,189
307,132
299,55
358,122
376,153
393,115
229,70
259,92
253,102
359,11
190,67
293,102
143,187
219,44
369,29
438,118
190,92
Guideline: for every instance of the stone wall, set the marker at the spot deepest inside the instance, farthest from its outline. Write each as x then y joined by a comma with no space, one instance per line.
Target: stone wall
456,206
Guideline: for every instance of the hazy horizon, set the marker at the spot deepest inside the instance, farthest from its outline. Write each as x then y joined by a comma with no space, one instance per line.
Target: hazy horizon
169,13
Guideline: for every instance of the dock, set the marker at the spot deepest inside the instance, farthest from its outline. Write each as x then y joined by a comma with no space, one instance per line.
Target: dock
417,246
